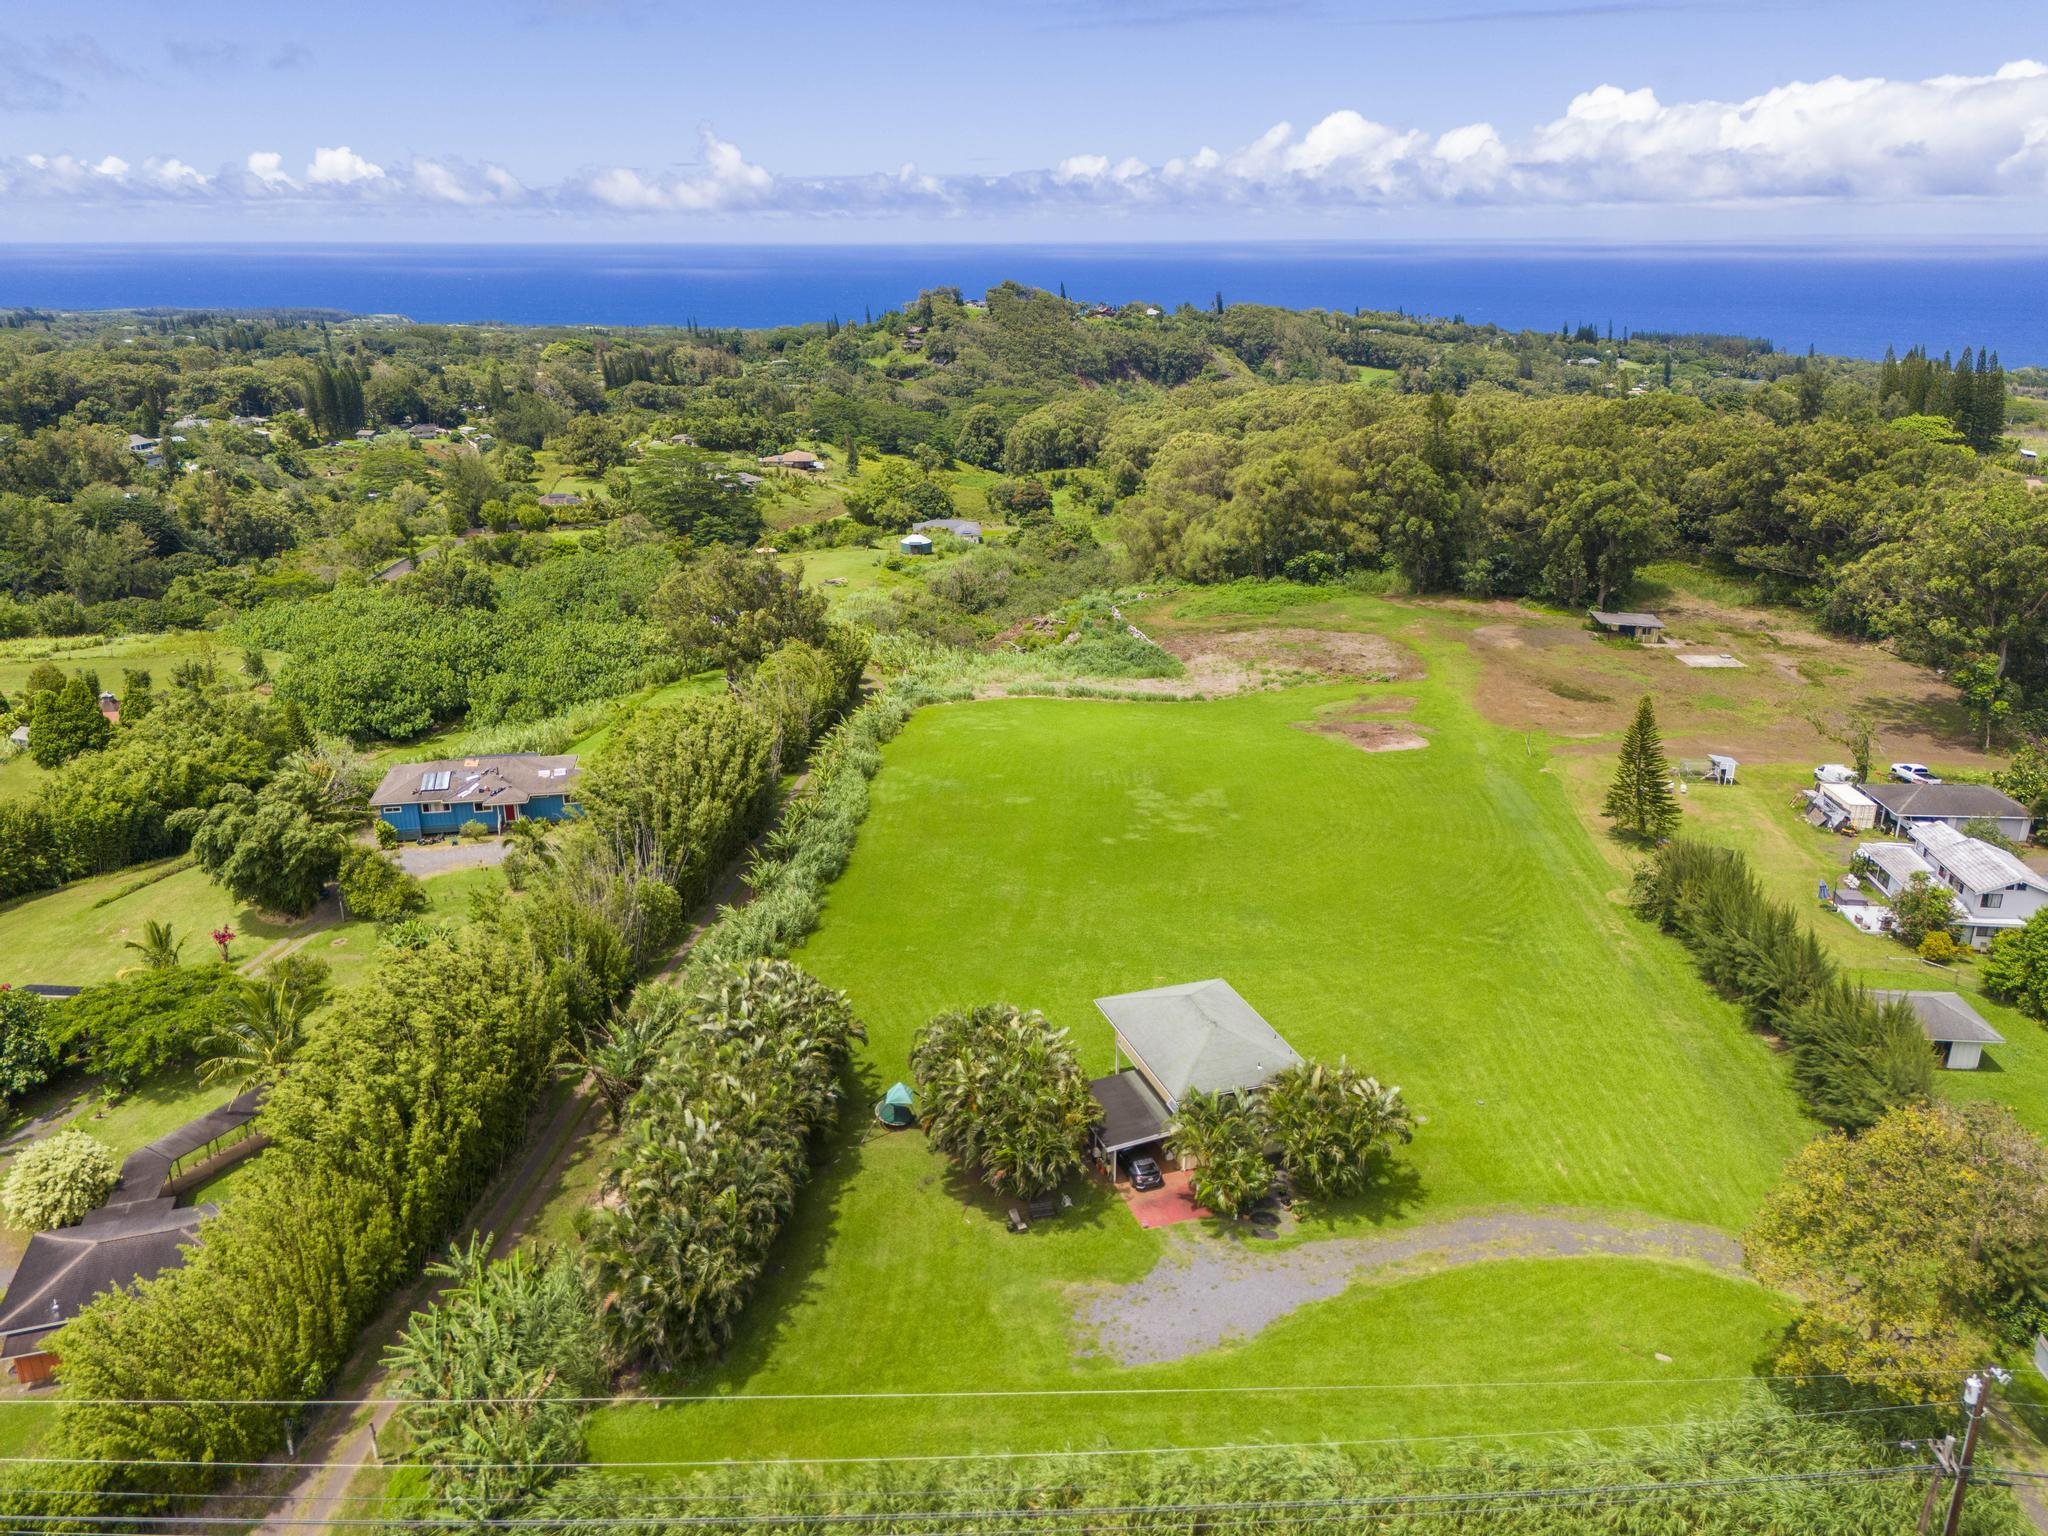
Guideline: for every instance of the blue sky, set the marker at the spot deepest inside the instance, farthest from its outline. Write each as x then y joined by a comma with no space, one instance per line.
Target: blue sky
1117,119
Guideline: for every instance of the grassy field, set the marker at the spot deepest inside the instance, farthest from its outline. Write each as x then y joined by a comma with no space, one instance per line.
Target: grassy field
77,935
1438,916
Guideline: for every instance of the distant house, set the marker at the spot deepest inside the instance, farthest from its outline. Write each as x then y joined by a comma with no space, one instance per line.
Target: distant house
429,799
137,443
561,499
138,1234
190,423
914,544
425,429
364,434
110,707
1901,807
1199,1036
747,482
1957,1031
795,458
1632,626
964,529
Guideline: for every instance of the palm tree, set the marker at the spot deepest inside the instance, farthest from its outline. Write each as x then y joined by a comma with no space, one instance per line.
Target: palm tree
1330,1123
1001,1092
1226,1138
269,1023
159,950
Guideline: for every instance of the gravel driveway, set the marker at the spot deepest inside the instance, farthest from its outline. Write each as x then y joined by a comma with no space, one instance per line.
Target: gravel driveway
1211,1289
442,857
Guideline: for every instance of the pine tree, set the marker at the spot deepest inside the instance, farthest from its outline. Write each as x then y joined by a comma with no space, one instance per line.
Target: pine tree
1640,801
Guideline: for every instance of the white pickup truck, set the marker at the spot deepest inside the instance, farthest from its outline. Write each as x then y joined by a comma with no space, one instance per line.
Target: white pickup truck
1834,773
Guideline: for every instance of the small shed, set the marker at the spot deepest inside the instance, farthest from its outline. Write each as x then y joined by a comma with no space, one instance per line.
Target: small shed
1842,807
1720,768
915,544
1630,626
895,1110
561,499
964,529
1955,1029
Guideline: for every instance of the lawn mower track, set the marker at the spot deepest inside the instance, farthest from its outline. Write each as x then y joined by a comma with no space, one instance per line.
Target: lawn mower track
1208,1290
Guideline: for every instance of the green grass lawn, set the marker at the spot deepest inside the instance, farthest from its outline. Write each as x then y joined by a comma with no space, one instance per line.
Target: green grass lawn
75,935
1437,916
156,654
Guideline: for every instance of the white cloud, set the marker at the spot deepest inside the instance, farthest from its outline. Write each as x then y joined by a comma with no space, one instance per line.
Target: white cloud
341,167
1860,141
267,166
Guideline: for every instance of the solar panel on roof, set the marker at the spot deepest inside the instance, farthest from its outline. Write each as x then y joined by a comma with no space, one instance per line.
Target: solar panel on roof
437,780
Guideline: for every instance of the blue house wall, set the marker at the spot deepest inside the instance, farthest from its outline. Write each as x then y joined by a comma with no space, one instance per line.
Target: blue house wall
411,821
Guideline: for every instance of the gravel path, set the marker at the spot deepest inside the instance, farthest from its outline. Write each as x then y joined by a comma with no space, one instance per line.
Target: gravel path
1208,1290
443,857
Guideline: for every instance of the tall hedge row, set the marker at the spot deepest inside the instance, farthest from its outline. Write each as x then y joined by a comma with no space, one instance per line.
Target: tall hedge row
1853,1057
406,1098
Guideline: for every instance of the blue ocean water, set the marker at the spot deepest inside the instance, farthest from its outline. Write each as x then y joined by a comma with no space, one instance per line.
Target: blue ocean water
1853,300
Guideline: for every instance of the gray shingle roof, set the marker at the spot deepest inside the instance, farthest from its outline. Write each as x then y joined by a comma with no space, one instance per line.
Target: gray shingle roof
1199,1035
1965,800
1945,1017
65,1269
509,779
1635,620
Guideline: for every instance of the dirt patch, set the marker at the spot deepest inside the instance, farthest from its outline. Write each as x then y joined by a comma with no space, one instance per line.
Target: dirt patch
1538,637
1209,1290
1230,661
1390,704
1371,735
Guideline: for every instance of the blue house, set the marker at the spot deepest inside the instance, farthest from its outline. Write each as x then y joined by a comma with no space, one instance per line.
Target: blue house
432,799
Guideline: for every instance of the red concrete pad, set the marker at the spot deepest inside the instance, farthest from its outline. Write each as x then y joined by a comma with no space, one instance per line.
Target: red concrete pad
1174,1202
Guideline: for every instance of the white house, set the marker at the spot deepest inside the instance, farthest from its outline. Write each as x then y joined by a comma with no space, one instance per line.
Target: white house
1994,890
1892,866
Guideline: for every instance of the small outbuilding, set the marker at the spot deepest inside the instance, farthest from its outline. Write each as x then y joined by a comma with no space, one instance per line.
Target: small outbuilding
561,499
915,544
1630,626
1721,768
1957,1031
1841,808
895,1109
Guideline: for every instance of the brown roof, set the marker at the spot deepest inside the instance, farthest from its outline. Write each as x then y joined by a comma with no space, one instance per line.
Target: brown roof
796,458
509,779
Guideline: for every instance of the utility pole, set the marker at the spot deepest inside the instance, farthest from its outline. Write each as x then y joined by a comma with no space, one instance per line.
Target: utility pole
1944,1452
1976,1397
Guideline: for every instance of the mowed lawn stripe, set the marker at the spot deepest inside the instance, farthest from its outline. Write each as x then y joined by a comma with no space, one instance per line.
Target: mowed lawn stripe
1436,915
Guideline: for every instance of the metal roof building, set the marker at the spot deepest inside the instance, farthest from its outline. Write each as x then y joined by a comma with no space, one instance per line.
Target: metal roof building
1199,1036
1947,1021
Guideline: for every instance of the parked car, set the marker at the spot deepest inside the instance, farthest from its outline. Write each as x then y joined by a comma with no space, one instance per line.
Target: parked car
1834,773
1145,1174
1913,773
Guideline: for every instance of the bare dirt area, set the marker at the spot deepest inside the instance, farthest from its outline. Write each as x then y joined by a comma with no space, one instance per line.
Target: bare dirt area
1212,1289
1231,661
1539,672
1371,735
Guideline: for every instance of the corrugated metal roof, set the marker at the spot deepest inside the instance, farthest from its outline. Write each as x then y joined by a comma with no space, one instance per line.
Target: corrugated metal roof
1978,865
1637,620
1898,860
1199,1035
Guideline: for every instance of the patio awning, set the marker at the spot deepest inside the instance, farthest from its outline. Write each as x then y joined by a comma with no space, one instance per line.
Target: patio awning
1132,1113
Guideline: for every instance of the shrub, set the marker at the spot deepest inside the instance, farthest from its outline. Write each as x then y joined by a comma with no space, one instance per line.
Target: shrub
2016,970
1941,948
28,1057
1852,1059
1332,1125
58,1181
1002,1093
129,1030
1227,1140
386,834
717,1142
1924,907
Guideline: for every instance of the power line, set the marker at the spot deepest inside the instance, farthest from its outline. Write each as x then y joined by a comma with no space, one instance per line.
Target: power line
964,1394
1092,1452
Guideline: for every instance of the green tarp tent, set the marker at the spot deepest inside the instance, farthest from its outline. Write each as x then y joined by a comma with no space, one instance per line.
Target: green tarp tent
894,1111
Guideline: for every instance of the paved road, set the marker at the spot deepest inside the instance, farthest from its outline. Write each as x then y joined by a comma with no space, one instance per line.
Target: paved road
443,857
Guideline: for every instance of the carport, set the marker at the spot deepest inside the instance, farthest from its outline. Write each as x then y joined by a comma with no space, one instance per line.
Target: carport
1133,1116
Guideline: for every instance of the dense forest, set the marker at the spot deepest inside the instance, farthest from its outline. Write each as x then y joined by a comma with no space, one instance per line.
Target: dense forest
521,493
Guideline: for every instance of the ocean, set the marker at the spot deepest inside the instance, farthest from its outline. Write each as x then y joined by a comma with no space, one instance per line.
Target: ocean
1853,300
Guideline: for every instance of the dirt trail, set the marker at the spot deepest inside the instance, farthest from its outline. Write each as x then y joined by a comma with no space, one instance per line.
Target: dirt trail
1208,1291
